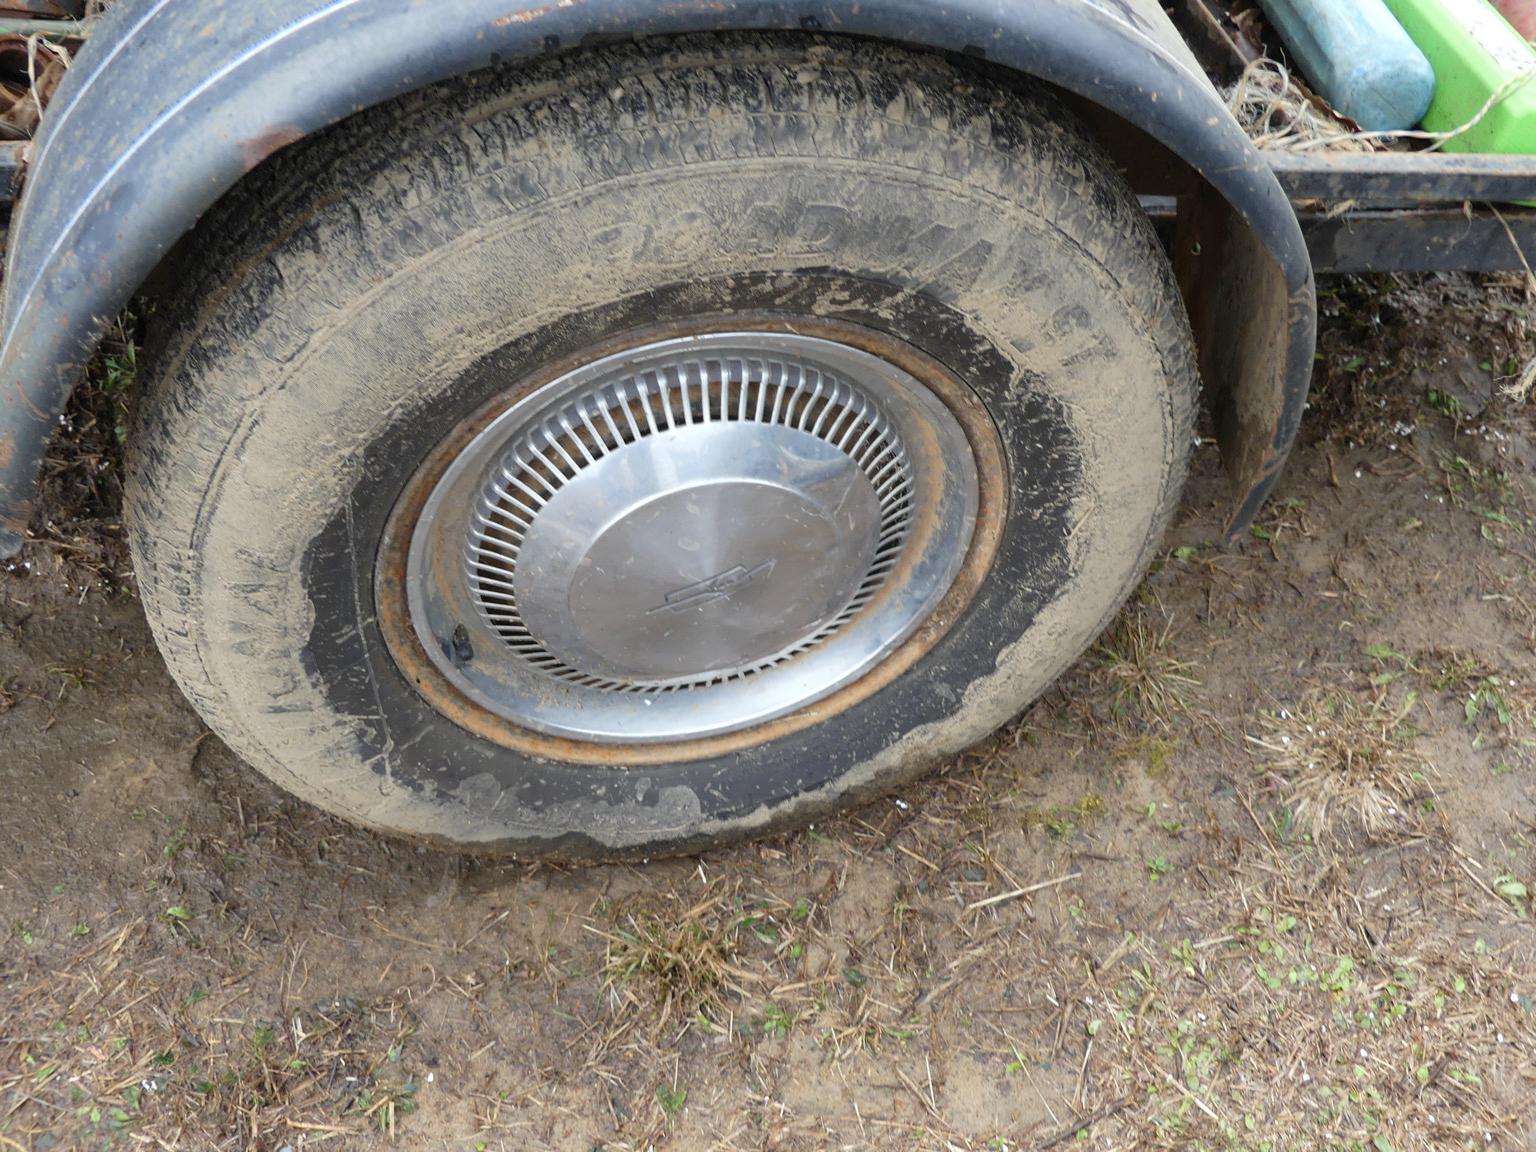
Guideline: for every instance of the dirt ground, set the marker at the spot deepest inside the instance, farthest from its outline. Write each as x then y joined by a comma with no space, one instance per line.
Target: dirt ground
1254,876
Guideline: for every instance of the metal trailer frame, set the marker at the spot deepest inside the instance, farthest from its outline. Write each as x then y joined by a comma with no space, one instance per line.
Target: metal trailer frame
171,102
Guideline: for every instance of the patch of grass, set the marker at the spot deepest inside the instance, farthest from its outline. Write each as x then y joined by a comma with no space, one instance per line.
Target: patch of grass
112,1074
1454,671
1514,890
339,1058
70,677
1155,752
1342,760
1492,494
679,959
1382,1045
384,1104
1488,696
1445,403
1393,665
1062,823
1145,679
1484,693
174,843
671,1100
668,958
776,1021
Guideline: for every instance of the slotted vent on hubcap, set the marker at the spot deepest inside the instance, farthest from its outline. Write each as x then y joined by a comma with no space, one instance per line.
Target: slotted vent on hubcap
803,419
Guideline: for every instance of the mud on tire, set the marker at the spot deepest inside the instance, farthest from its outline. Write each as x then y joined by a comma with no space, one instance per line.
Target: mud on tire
368,290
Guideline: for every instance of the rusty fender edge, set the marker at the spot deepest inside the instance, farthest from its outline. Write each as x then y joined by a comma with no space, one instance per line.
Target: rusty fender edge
170,102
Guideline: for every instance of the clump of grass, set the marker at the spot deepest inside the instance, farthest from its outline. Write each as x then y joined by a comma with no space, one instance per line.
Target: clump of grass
670,958
1456,671
384,1105
1063,823
1155,753
663,955
1341,761
1135,660
1490,493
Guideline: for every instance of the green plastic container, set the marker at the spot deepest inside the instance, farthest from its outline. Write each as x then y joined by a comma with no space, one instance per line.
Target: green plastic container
1474,53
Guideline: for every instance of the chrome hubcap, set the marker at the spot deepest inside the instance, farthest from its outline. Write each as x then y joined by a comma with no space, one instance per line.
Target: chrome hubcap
691,537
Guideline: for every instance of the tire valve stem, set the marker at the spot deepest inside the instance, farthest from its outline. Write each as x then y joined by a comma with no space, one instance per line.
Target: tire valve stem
463,650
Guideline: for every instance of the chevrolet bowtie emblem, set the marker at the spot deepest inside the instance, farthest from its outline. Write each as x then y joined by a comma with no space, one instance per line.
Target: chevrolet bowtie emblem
718,587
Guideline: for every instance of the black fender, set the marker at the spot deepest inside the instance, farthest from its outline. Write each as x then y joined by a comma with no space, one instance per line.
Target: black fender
171,101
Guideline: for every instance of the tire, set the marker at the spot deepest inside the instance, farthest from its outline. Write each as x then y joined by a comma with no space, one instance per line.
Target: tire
374,288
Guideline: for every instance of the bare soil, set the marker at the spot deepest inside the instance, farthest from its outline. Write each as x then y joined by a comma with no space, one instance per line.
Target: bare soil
1255,875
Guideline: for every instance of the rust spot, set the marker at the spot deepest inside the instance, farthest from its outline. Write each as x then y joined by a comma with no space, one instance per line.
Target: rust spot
528,15
256,149
7,452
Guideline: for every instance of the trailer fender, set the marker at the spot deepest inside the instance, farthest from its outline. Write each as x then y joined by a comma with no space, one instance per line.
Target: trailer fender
171,102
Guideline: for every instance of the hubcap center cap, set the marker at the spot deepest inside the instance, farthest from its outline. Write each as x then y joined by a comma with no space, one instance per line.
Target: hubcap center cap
696,552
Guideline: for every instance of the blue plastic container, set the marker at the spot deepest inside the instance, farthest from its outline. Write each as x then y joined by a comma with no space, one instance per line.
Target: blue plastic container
1358,57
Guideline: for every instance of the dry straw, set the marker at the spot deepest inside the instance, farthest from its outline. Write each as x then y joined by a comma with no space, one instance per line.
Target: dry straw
1278,113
